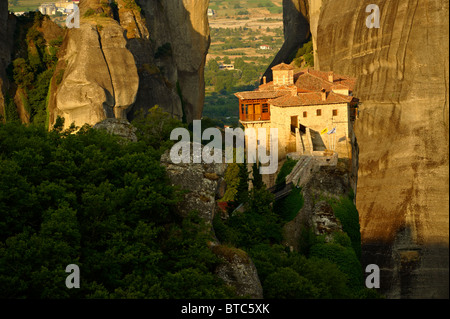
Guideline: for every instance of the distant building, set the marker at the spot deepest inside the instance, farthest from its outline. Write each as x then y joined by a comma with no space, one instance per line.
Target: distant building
47,8
211,13
70,8
64,7
265,47
226,67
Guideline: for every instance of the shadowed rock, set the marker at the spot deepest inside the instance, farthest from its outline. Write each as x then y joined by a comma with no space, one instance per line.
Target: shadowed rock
402,133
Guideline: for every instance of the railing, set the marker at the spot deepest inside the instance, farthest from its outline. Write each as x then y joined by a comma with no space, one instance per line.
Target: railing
255,117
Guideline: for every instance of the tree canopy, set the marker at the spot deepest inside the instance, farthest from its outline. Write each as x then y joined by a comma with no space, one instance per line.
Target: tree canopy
107,206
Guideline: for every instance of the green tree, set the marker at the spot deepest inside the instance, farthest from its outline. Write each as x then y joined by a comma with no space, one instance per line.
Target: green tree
288,284
257,177
154,129
88,198
242,193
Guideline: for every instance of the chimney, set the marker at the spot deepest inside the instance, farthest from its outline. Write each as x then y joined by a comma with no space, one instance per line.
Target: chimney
264,79
324,95
331,76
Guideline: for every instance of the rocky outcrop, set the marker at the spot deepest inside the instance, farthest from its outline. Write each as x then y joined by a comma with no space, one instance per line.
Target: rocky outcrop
182,24
317,214
141,54
201,183
203,186
119,127
324,221
238,270
402,73
100,78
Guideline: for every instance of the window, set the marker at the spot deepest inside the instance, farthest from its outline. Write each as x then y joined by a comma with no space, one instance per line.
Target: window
305,114
265,108
335,112
319,112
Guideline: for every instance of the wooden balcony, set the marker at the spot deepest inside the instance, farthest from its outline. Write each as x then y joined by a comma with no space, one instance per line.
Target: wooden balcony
255,117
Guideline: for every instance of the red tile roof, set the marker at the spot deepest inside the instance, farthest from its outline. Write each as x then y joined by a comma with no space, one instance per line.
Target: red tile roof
250,95
309,85
308,77
313,98
282,66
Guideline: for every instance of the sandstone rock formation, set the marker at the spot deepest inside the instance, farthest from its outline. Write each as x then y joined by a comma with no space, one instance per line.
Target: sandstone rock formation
100,77
184,25
141,54
402,73
119,127
325,182
296,31
201,183
238,271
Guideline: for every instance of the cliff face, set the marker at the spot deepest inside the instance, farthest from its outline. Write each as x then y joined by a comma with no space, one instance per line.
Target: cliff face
128,58
296,31
402,132
6,44
184,25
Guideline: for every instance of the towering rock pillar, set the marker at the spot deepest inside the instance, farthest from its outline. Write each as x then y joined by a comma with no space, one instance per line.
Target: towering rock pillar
296,32
182,24
402,72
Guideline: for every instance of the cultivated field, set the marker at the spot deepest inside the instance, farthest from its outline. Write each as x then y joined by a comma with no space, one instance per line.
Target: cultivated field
25,5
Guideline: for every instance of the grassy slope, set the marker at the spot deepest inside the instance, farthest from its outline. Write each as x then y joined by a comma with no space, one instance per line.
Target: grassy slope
26,5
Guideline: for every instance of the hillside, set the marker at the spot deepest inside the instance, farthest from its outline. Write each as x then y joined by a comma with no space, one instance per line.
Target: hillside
24,5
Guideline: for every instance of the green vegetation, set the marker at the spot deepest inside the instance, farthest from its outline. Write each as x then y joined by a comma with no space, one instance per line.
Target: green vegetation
238,46
33,67
285,170
346,212
287,208
236,7
23,5
221,104
89,13
319,270
305,55
107,206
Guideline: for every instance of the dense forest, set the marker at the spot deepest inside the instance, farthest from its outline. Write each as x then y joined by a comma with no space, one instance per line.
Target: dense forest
91,199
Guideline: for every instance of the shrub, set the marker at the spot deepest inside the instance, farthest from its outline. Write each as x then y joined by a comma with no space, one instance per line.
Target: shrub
344,257
288,284
89,12
285,170
287,208
346,212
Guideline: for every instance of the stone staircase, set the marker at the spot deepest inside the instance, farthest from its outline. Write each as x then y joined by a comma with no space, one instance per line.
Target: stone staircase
303,171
